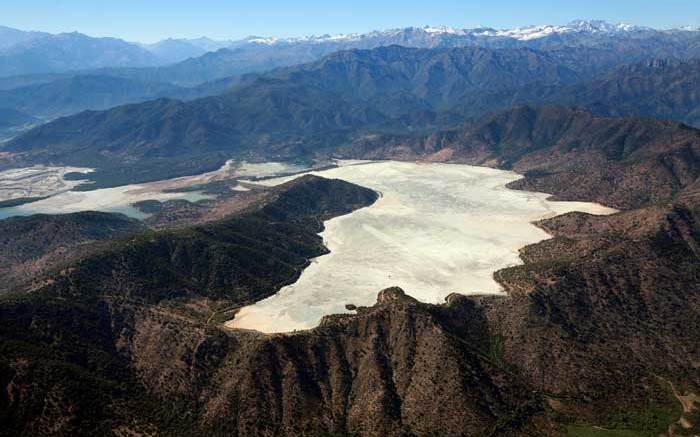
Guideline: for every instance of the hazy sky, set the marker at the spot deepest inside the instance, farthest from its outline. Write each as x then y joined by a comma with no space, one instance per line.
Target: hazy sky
150,20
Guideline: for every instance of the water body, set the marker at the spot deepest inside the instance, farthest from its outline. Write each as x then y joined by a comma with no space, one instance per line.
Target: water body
437,229
48,181
118,199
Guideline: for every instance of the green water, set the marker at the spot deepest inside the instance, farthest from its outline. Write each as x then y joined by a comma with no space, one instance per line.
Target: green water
128,210
14,211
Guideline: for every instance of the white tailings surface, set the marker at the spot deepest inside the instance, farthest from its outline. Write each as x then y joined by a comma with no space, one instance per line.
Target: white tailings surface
437,229
48,181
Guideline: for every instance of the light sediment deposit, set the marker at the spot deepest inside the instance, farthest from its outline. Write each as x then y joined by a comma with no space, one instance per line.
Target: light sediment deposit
57,196
437,229
38,181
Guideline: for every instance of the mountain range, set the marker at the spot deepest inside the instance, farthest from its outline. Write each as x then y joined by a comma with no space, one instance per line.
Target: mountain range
70,52
665,89
255,54
116,326
22,52
597,330
298,111
295,109
59,63
76,94
444,36
587,78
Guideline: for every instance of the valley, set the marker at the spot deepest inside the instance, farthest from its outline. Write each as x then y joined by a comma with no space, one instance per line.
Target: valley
437,229
410,232
51,194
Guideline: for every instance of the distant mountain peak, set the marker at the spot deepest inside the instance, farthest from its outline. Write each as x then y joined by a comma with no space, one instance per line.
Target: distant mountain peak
520,33
444,30
602,26
577,26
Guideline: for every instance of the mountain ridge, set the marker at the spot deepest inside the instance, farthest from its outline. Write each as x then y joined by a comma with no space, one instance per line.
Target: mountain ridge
72,95
145,351
309,110
522,33
568,152
70,52
256,54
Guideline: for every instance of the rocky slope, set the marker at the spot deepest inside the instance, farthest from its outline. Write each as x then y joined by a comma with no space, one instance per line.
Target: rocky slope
599,326
570,153
603,318
595,324
394,369
30,245
664,89
598,329
72,345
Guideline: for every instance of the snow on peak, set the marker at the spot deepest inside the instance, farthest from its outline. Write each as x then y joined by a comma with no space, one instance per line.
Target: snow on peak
686,29
540,31
520,33
311,38
442,30
262,40
602,26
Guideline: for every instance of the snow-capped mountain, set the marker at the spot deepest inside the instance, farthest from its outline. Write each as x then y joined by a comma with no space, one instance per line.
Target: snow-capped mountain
193,61
579,26
527,33
617,43
438,32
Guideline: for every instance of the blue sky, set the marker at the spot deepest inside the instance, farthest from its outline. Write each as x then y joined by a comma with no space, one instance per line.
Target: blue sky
150,20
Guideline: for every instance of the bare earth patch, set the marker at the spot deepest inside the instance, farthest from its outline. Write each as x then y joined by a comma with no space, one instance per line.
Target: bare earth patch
37,181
